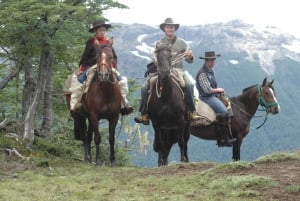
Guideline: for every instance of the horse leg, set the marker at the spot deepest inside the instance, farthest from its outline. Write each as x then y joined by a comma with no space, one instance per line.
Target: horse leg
181,141
87,140
168,145
94,122
236,148
79,125
112,127
157,144
186,137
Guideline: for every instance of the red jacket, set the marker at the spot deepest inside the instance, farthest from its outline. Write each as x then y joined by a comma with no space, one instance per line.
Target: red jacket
88,57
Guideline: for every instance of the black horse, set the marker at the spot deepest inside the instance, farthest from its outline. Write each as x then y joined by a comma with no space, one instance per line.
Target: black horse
244,107
167,111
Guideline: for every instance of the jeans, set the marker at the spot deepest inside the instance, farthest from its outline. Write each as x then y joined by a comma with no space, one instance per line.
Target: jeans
217,105
82,77
144,95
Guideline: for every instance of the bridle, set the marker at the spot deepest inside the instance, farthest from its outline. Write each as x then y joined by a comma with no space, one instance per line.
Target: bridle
104,76
262,102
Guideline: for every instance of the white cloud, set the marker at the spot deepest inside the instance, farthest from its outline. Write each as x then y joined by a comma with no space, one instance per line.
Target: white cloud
281,14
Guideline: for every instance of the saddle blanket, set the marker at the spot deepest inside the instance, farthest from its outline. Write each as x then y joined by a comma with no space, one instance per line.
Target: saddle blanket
208,115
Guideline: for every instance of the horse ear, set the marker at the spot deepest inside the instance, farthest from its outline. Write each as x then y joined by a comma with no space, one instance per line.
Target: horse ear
271,82
111,41
264,81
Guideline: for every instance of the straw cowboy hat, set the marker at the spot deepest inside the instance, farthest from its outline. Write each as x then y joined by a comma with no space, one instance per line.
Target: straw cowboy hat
97,24
168,21
210,55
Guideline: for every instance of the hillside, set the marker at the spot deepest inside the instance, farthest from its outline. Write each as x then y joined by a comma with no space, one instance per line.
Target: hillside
272,177
248,55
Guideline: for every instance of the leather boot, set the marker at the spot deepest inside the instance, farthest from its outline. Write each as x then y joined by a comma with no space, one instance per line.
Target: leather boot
144,119
224,131
127,109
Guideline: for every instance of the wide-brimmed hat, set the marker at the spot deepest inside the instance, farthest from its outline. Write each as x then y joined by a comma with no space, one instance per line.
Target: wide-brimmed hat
168,21
97,24
210,55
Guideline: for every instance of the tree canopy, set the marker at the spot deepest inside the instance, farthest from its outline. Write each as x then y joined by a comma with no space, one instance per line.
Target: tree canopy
39,40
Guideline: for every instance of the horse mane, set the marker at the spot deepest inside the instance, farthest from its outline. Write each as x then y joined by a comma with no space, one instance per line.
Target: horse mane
247,88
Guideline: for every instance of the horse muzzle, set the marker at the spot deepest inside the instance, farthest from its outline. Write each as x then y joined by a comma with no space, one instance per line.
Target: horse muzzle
103,76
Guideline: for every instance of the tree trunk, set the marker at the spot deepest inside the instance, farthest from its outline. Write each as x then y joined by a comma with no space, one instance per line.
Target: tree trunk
29,88
48,110
40,88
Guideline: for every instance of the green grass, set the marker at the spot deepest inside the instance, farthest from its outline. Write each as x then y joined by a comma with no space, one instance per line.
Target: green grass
73,180
276,157
52,173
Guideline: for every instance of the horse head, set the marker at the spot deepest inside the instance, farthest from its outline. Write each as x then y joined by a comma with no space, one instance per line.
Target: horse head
267,97
105,61
164,62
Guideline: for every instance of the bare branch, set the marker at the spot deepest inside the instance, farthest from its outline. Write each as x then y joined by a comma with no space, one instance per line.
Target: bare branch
5,81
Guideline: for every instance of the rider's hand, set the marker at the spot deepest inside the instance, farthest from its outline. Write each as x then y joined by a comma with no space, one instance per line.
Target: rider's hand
220,90
217,91
188,53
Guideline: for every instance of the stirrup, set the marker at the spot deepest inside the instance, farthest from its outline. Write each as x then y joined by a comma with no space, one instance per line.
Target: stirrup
194,116
226,143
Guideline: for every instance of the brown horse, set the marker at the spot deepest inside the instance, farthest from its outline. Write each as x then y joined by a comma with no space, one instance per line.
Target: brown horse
244,107
167,111
102,101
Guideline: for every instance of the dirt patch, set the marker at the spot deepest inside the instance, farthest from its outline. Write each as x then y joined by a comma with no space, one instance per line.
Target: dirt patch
285,173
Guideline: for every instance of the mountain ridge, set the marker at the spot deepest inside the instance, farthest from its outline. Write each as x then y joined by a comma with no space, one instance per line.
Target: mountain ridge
248,56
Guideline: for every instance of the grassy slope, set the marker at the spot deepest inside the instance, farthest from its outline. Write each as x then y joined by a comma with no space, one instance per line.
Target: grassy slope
47,177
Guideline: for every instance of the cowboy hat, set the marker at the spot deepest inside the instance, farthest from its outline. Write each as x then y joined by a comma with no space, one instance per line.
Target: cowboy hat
210,55
97,24
168,21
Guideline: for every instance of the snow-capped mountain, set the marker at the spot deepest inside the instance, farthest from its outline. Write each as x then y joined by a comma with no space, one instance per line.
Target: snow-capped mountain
249,54
136,42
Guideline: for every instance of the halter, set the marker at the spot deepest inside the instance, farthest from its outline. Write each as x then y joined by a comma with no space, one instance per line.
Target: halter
263,103
105,76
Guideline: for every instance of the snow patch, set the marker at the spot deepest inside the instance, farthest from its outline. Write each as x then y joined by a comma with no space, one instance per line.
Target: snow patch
294,47
141,37
145,48
136,53
232,61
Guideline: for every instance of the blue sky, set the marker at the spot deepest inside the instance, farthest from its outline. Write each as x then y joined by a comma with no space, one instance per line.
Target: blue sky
281,14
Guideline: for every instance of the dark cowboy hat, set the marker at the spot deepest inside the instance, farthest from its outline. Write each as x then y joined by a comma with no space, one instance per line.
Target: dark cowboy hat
97,24
168,21
210,55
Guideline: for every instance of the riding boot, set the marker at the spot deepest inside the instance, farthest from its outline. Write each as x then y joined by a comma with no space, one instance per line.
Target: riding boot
143,118
125,107
224,135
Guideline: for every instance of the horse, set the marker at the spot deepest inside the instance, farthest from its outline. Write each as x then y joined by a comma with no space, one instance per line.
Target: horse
101,101
244,107
167,111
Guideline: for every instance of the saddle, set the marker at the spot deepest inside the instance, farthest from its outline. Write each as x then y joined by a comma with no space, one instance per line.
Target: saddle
208,115
175,76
